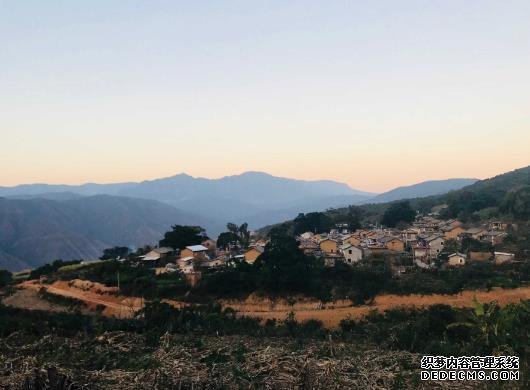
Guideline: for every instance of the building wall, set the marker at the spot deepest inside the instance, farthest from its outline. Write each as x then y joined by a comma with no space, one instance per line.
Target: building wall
410,236
329,246
352,254
353,241
186,253
396,245
499,259
420,253
456,261
251,255
189,253
437,245
479,256
453,234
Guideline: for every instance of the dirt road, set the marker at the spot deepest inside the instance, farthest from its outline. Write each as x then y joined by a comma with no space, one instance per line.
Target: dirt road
331,315
95,294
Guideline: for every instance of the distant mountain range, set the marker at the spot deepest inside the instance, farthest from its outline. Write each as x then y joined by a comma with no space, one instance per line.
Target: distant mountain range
41,222
505,196
229,199
420,190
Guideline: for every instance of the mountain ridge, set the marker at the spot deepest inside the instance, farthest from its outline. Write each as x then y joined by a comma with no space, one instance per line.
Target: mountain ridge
234,198
35,231
256,197
423,189
33,188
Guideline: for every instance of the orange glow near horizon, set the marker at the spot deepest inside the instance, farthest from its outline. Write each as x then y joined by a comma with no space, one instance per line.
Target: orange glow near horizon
376,181
373,95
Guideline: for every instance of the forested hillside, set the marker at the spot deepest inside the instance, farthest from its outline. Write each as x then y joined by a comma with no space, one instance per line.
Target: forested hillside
506,196
35,231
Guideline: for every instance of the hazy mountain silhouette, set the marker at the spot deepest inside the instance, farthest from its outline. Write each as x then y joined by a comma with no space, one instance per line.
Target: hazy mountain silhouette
235,198
41,222
35,231
426,188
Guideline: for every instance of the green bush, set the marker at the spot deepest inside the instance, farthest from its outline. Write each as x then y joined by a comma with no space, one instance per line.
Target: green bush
48,269
6,278
442,330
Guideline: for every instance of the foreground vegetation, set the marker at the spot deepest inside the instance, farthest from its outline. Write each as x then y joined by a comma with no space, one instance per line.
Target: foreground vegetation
203,344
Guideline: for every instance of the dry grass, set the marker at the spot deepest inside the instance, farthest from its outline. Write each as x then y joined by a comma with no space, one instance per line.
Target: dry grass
220,362
25,298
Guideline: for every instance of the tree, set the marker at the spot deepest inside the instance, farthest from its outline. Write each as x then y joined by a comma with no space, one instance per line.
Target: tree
144,250
227,240
312,222
517,202
179,237
118,252
282,228
48,268
244,235
353,217
5,278
451,246
492,326
235,236
283,267
470,244
464,202
398,212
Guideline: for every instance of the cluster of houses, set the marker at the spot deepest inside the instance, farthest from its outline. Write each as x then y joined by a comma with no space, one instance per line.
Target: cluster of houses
423,242
194,258
186,260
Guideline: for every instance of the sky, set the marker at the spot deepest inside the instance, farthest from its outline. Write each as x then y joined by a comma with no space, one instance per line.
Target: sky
374,94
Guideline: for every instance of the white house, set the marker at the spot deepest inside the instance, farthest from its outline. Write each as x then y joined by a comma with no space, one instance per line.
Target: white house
456,259
352,253
436,244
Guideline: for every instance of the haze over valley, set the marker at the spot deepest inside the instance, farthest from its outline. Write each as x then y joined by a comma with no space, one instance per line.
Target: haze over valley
41,222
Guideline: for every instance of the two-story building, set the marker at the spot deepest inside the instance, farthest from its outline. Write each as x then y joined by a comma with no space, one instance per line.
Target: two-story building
329,246
352,253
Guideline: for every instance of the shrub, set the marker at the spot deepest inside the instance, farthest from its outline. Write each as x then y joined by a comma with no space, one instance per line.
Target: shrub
48,269
6,278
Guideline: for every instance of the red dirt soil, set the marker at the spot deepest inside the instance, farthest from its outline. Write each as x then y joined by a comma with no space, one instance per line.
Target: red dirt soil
95,294
333,313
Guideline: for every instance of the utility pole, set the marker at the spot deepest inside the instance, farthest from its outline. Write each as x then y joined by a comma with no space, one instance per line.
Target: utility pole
118,282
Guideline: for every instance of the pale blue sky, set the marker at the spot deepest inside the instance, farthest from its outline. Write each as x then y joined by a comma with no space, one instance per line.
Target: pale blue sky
375,94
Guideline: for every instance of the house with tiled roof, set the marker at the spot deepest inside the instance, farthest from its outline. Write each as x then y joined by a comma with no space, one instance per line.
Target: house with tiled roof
194,251
252,253
329,245
393,243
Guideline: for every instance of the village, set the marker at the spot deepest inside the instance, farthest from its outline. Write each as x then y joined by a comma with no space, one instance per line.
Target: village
423,243
428,243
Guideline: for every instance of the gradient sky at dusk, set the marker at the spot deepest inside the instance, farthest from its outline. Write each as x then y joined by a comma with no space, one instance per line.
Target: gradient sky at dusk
375,94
